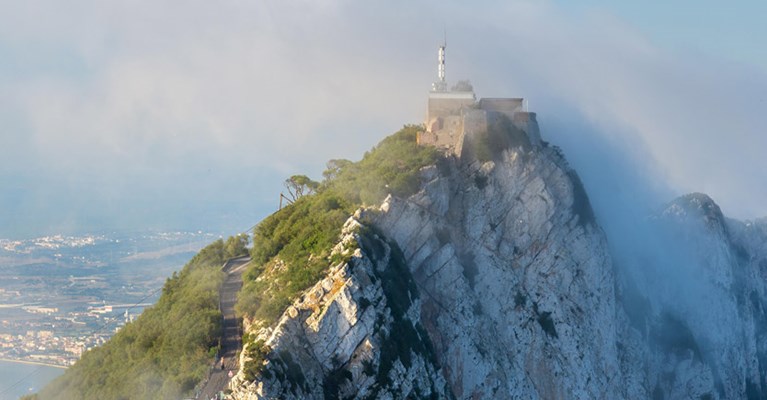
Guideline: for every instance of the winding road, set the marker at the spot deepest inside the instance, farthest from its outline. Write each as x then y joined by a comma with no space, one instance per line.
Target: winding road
231,338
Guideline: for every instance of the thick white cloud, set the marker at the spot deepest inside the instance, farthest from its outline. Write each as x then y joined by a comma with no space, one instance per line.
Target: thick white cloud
690,121
150,92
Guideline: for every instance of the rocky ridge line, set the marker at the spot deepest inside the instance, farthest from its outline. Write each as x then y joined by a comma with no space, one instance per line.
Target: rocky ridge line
355,334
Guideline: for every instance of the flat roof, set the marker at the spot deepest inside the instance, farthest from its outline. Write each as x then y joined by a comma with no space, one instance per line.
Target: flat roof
451,95
495,99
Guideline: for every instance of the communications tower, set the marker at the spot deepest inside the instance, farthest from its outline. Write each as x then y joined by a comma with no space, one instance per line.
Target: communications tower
440,85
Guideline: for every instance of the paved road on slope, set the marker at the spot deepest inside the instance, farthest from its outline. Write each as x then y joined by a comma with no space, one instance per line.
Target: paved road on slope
231,339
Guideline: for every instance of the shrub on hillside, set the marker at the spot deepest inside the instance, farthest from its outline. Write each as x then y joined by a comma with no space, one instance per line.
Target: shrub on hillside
291,248
167,349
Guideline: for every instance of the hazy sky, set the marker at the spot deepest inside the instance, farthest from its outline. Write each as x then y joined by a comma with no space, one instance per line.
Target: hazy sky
122,115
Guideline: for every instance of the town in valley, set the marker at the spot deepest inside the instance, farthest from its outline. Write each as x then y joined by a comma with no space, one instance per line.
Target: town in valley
63,295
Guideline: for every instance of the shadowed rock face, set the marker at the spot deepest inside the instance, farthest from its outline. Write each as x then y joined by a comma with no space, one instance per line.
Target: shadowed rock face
517,287
495,282
696,306
355,334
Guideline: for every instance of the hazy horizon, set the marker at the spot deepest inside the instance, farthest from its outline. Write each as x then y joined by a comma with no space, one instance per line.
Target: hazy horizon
190,116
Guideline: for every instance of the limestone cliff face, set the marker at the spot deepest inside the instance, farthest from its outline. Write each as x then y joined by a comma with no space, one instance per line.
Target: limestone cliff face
496,282
504,289
355,334
516,279
695,322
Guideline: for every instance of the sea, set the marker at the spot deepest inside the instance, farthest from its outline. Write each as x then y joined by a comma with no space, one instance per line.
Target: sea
18,379
130,265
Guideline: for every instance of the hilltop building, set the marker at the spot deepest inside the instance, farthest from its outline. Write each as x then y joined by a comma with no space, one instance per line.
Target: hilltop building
455,114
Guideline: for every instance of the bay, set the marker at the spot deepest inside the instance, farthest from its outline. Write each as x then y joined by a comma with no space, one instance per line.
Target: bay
18,379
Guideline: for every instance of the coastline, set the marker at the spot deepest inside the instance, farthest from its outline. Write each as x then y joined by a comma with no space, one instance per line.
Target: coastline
39,363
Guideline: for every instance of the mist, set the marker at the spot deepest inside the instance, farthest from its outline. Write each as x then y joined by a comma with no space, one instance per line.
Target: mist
191,117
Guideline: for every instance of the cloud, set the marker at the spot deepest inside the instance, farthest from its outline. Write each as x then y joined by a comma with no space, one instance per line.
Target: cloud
159,94
689,121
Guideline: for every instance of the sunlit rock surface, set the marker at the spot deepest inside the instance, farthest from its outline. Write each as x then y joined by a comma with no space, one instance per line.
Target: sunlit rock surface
495,281
517,281
355,334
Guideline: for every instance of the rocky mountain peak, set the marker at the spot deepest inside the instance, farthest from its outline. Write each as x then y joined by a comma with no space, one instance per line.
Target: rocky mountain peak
696,206
495,281
507,281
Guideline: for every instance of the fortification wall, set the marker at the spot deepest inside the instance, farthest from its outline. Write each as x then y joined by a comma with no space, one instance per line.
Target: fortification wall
452,120
443,132
528,122
508,106
474,121
443,107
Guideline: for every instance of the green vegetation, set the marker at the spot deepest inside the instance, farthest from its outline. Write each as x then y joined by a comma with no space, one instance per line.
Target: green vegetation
292,246
390,167
235,246
293,372
256,352
167,350
309,226
299,185
403,339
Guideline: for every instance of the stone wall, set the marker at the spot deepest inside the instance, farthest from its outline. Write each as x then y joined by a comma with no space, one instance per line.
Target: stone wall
451,119
443,107
527,122
508,106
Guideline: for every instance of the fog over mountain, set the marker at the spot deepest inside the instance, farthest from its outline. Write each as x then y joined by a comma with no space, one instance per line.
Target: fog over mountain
151,114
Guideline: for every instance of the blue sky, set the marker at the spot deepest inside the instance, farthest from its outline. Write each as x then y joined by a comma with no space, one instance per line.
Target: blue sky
171,115
732,30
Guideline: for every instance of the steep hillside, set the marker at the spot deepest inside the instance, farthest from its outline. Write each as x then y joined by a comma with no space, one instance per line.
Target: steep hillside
418,273
166,351
493,280
518,281
292,247
511,293
354,334
695,303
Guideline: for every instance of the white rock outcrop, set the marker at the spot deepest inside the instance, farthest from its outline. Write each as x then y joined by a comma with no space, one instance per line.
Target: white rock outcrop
518,287
496,282
354,334
694,323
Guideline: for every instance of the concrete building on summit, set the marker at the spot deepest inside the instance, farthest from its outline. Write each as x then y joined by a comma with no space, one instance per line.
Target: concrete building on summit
454,114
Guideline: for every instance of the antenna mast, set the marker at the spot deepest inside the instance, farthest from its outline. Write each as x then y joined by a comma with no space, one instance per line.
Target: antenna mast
441,70
441,85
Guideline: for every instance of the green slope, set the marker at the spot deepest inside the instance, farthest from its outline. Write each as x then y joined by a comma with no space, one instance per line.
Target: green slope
292,246
167,349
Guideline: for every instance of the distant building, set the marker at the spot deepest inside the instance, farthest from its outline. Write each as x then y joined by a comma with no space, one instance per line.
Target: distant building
45,334
454,113
40,310
100,310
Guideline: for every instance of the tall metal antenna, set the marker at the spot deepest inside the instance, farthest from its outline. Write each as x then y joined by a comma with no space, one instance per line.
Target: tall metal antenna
441,85
442,61
441,68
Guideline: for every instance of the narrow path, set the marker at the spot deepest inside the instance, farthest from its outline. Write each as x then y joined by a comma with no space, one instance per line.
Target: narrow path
231,338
